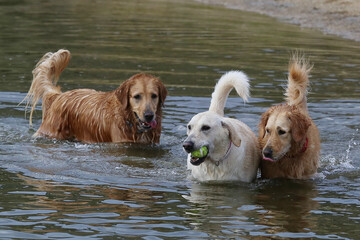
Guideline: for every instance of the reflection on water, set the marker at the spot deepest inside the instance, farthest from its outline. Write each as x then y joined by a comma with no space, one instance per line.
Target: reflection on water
61,189
286,203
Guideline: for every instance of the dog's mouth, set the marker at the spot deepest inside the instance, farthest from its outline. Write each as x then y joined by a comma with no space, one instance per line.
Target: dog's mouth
268,159
196,161
274,158
198,157
146,125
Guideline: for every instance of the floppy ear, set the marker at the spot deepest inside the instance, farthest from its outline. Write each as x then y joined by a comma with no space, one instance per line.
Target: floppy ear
122,93
299,125
263,121
162,92
233,133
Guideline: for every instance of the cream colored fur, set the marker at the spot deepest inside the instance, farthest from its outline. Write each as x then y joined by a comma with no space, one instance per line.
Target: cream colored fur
230,80
233,148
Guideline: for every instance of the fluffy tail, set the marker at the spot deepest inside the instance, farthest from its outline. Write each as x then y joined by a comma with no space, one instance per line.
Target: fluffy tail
45,75
298,81
230,80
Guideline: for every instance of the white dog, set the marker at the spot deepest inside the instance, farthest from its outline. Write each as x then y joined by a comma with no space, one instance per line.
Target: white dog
232,148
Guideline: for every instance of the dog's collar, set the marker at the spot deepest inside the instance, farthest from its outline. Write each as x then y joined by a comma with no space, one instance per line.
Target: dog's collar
305,146
303,149
217,163
129,123
138,128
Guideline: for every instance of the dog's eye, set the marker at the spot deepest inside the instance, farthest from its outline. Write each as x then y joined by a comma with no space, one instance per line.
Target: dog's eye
189,127
267,131
137,96
153,96
205,128
281,132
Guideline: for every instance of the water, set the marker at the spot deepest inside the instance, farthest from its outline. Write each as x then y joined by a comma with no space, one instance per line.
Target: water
59,189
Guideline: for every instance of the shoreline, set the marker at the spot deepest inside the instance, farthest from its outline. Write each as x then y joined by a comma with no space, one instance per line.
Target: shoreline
333,17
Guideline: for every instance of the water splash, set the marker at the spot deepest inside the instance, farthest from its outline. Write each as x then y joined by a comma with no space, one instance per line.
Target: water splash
334,164
352,144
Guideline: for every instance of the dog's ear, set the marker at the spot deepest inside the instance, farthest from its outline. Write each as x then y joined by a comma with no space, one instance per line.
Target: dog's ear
162,92
299,125
122,93
263,121
233,133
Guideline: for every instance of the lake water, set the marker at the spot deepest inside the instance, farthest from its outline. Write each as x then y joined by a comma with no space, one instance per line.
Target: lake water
59,189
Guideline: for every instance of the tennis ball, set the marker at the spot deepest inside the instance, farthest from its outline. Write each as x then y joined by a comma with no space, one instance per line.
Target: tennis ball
202,152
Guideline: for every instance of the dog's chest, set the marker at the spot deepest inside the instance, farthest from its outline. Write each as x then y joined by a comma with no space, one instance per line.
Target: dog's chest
210,171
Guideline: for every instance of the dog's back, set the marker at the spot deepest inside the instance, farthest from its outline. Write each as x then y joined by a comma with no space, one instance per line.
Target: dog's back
78,114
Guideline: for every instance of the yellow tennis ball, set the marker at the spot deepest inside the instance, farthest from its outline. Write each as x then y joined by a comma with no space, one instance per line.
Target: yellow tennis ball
202,152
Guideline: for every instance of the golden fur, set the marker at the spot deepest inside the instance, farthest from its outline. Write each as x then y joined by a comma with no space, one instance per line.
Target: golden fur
288,137
130,113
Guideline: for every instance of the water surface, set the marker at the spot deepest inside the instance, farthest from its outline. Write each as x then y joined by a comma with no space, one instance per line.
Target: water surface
61,189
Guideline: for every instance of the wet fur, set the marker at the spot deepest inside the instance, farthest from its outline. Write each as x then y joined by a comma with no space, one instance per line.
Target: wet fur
291,159
88,115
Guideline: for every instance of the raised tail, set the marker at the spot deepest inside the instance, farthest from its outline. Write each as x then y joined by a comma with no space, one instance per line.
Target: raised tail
298,81
45,75
230,80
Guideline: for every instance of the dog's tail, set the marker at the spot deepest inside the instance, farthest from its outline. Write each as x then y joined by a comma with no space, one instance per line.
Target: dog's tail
298,81
230,80
45,75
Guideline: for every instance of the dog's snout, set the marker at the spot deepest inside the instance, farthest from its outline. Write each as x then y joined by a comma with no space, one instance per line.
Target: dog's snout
149,116
268,152
188,146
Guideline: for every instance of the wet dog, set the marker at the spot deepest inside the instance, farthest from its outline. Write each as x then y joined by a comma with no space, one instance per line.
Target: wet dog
232,148
130,113
288,137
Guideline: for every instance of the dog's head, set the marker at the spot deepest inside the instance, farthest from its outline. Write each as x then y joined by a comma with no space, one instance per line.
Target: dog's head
144,96
212,131
282,130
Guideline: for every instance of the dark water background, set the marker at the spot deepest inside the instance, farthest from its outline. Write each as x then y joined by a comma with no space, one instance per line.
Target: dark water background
58,189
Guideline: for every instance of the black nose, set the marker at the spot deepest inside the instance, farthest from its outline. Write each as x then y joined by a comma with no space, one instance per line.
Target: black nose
188,146
268,152
149,116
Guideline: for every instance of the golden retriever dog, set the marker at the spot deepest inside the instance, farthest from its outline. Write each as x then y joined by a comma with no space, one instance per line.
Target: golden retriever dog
288,137
233,153
130,113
